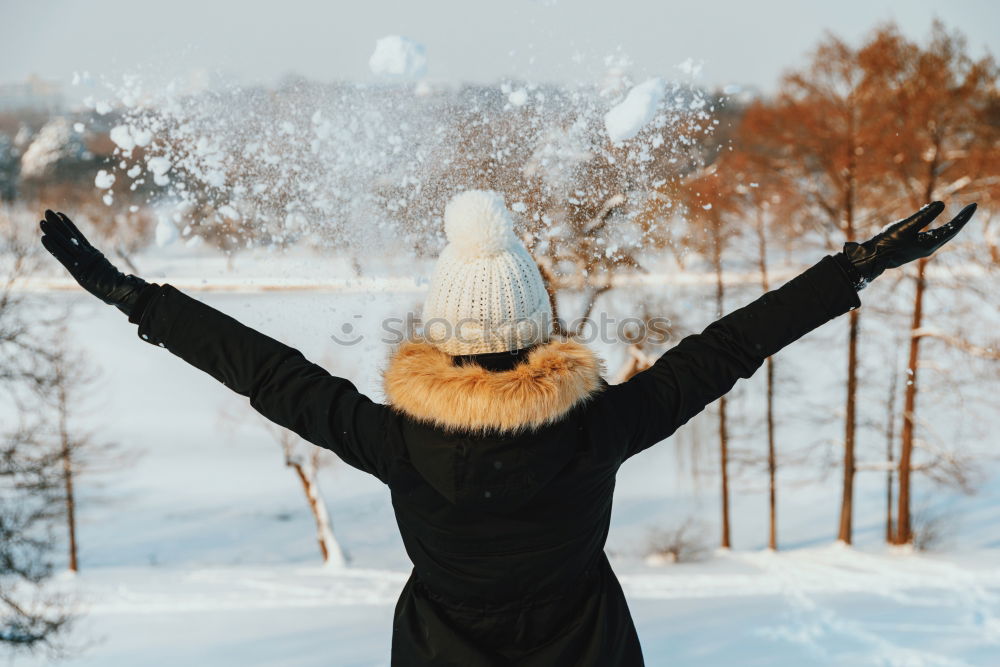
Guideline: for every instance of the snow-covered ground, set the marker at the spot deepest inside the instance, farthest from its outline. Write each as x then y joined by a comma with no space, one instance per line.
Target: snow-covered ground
202,552
828,605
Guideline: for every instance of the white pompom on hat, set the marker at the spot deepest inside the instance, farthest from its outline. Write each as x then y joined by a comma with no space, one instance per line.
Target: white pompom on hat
478,224
486,294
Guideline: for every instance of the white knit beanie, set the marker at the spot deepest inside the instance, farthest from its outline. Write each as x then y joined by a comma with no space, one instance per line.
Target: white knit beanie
486,294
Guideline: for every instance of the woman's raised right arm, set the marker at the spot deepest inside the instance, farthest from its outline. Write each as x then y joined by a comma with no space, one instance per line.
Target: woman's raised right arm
279,381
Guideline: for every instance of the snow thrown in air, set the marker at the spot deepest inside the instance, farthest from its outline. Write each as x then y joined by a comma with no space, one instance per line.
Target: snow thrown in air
361,164
104,180
626,119
158,165
122,137
398,56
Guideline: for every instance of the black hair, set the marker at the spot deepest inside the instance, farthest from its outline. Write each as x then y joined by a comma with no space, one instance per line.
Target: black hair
495,361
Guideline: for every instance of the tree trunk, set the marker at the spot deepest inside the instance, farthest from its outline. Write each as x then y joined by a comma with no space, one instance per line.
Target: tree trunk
845,534
846,530
904,528
772,460
636,361
595,294
724,459
903,525
125,257
890,436
66,454
550,288
723,431
333,555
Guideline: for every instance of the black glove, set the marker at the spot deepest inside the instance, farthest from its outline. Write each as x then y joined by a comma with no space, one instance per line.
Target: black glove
88,266
903,242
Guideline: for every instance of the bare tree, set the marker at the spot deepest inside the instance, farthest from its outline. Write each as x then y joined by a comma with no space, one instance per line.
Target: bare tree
645,340
757,190
711,232
825,132
890,426
945,142
31,616
306,460
684,543
66,393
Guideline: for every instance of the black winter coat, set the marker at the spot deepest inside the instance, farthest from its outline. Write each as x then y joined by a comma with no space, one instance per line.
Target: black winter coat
501,482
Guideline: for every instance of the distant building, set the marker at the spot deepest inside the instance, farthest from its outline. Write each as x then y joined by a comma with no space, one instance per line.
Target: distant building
34,94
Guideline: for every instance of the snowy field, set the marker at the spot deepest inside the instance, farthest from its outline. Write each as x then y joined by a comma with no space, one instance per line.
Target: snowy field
201,550
826,605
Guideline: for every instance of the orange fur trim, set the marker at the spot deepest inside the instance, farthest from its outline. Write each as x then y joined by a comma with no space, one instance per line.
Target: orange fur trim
423,382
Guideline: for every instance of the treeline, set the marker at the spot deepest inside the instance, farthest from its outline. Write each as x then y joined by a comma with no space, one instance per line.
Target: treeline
859,137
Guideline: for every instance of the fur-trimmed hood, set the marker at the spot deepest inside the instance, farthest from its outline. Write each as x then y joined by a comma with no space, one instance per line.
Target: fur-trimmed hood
424,383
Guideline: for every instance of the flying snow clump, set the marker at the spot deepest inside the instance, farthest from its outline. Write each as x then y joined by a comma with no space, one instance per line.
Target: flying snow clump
54,142
518,97
397,56
626,119
122,137
159,165
104,180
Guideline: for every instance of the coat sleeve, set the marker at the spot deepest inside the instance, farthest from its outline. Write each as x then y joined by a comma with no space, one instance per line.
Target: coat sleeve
703,367
281,384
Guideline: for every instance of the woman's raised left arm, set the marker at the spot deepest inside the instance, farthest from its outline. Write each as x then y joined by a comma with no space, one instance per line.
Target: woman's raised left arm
703,367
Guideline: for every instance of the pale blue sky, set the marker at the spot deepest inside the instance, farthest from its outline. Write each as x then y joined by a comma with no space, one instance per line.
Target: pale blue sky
748,42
